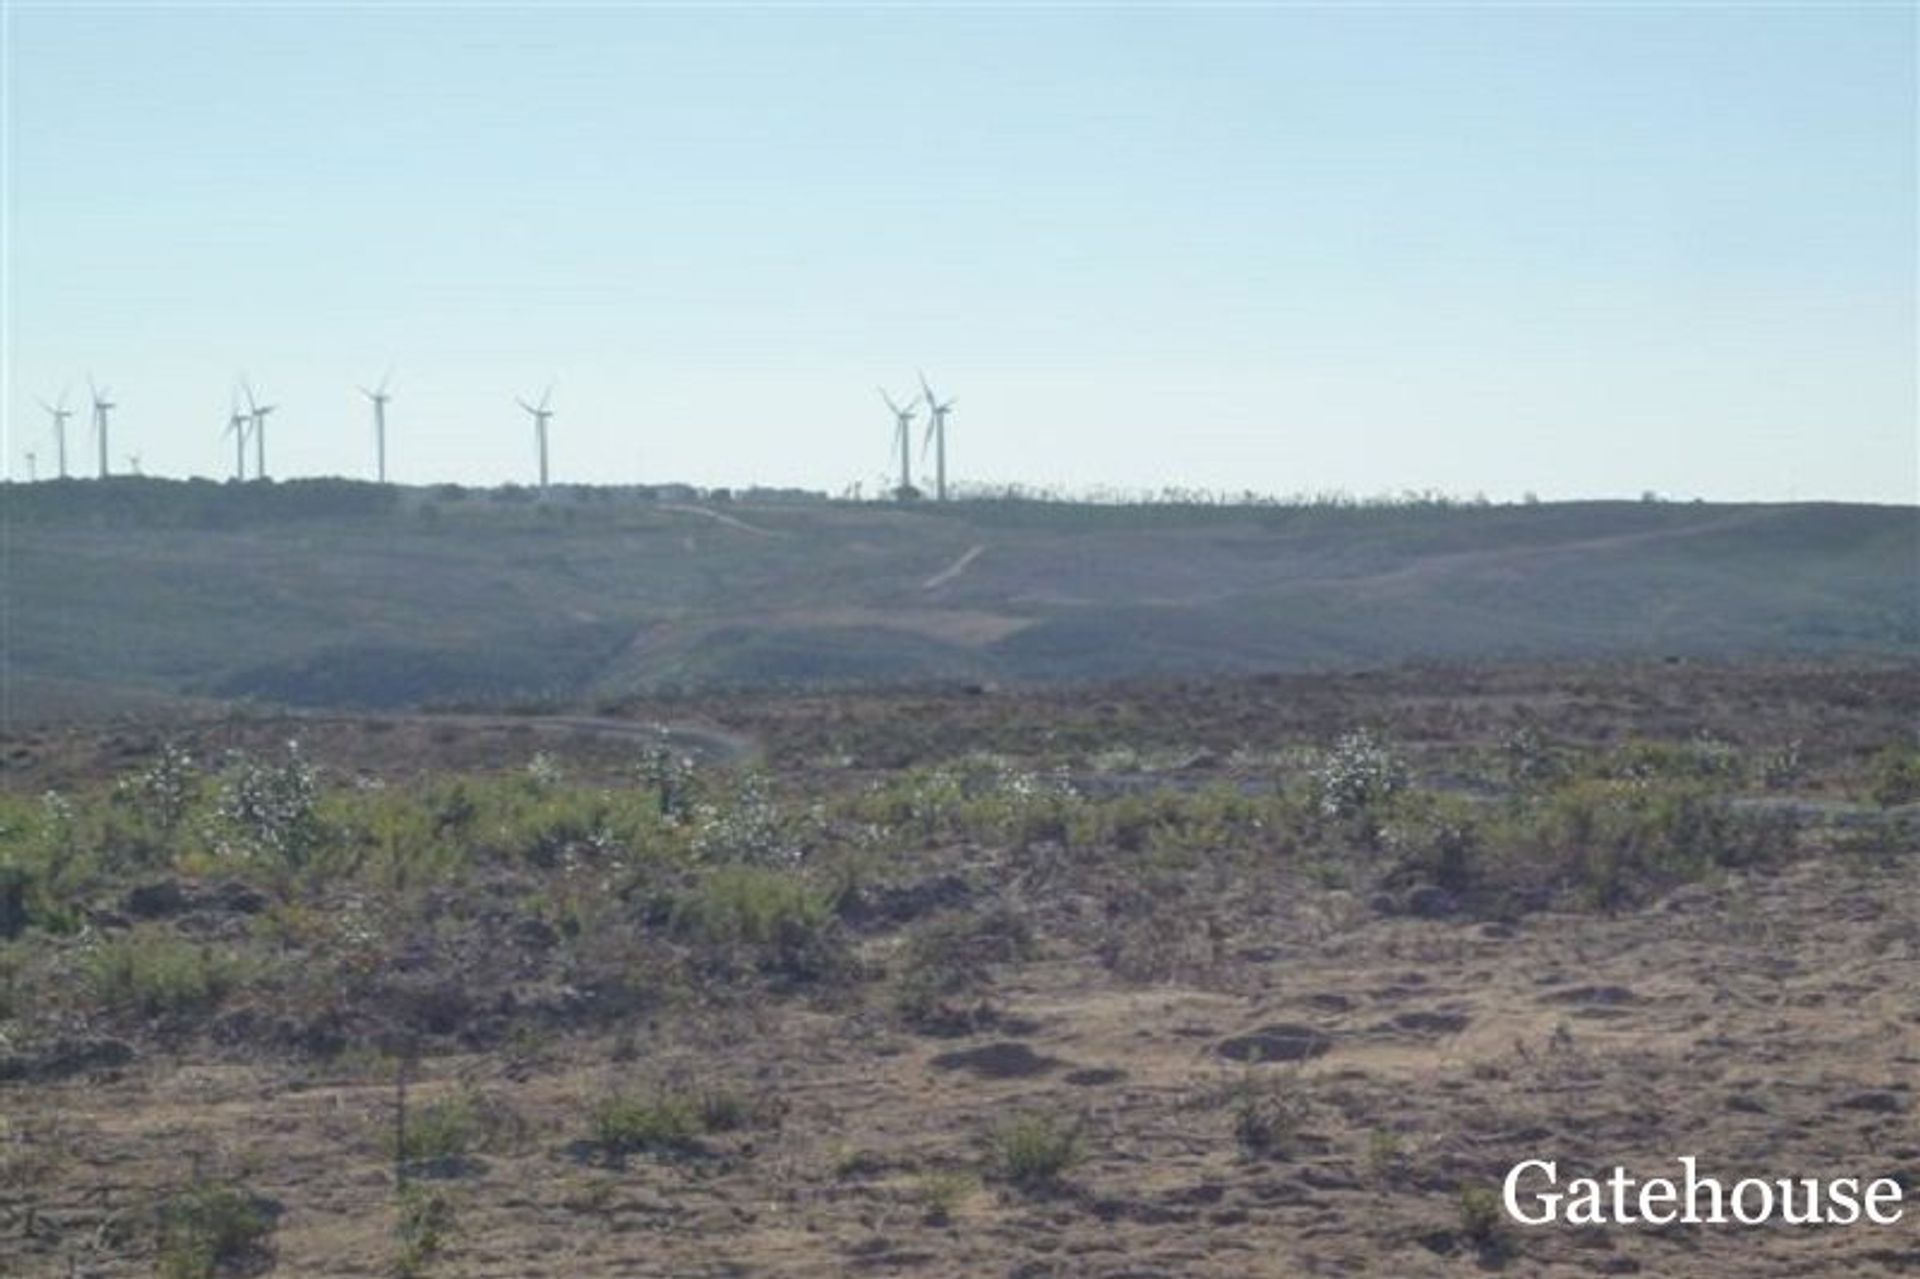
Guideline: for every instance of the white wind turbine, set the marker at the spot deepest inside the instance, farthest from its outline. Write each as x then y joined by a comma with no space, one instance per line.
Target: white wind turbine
937,436
258,412
59,414
903,441
540,415
101,407
237,423
379,397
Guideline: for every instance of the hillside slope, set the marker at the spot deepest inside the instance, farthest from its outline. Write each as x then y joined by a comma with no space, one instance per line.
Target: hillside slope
401,597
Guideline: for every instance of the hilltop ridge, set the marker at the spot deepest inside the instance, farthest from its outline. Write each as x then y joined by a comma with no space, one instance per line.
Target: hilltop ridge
331,593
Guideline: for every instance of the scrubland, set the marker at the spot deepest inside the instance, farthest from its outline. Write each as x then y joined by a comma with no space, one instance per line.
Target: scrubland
1250,976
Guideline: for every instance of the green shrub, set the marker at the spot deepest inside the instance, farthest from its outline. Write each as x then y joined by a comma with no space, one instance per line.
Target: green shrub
664,1123
1033,1151
210,1227
671,1119
1481,1219
747,825
49,861
423,1219
1360,771
443,1129
1386,1154
157,974
779,917
1701,759
166,789
1613,841
1437,838
947,960
940,1195
273,807
1893,778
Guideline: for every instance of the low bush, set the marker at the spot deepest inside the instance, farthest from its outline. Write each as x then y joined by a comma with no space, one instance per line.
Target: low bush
946,962
779,918
1615,841
663,1123
1893,777
423,1221
156,974
1034,1151
941,1194
1482,1222
1361,770
1267,1114
446,1128
211,1227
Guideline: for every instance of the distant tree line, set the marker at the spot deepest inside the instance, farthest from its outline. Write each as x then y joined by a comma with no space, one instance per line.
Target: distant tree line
195,503
148,502
203,503
1180,495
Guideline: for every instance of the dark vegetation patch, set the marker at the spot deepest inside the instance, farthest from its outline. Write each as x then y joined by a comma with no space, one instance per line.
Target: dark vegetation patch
1008,1059
552,662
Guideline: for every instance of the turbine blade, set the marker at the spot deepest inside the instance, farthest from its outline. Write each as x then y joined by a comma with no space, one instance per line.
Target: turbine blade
546,396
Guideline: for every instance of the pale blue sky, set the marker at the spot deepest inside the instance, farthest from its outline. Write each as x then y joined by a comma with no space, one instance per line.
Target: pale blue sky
1577,250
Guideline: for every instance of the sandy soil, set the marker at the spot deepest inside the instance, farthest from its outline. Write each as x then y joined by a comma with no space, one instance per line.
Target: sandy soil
1766,1026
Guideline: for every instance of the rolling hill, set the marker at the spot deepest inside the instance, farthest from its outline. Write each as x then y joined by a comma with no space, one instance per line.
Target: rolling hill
331,593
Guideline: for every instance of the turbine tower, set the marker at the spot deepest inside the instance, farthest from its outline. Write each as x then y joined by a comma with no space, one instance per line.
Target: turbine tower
258,412
540,415
33,466
59,415
937,436
101,407
903,441
380,397
237,428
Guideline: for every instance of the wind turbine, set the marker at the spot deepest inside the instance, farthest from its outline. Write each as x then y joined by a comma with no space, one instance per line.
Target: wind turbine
380,397
259,414
937,436
59,416
237,428
540,415
903,440
33,466
101,407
